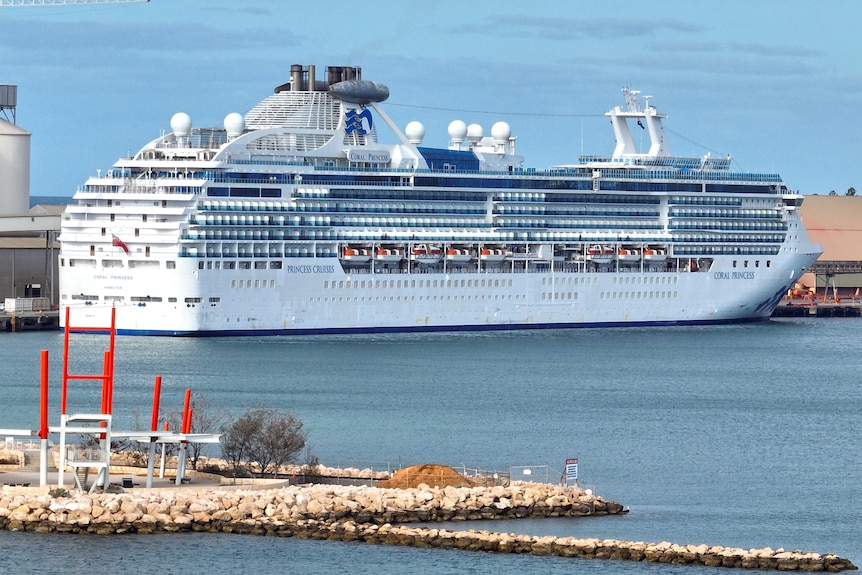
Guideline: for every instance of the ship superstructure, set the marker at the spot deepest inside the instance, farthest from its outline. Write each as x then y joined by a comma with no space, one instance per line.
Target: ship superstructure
295,218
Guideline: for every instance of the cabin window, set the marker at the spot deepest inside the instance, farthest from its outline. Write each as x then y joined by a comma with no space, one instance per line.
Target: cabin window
92,250
103,231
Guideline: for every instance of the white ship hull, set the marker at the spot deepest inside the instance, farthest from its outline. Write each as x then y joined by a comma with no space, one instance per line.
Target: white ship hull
322,298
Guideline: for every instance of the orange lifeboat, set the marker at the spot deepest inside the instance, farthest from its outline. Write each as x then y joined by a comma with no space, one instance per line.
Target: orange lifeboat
628,255
355,255
426,254
457,255
655,255
600,254
389,255
492,255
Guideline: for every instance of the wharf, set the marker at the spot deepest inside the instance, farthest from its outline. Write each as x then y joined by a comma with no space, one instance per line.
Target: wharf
29,320
829,308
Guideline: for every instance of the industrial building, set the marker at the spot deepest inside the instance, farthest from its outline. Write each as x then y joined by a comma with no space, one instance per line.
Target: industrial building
835,222
28,248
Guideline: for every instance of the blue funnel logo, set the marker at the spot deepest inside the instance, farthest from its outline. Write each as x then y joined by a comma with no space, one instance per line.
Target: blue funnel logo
354,121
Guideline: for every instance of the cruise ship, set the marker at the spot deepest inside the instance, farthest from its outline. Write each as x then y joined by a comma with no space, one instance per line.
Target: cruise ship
298,218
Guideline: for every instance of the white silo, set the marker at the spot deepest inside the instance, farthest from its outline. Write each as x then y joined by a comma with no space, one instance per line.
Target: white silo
14,169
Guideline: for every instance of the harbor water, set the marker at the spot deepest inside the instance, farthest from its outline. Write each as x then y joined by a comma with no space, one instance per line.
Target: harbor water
742,436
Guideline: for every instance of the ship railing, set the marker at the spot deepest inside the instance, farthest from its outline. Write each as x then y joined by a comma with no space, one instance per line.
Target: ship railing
728,177
716,173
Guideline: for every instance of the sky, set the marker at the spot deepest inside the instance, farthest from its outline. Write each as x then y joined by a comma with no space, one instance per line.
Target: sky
771,83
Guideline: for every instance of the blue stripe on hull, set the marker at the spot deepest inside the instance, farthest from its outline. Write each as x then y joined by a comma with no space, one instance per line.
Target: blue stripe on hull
426,329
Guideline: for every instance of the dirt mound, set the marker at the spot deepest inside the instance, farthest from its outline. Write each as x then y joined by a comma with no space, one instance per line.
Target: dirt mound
429,474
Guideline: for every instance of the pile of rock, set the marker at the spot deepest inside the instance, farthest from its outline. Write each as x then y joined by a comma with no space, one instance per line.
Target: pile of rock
362,513
327,503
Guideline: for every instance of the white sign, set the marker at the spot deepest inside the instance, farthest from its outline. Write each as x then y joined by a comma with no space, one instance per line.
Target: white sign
572,469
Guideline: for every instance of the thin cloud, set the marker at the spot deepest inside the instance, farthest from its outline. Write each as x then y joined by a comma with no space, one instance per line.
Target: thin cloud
110,38
775,51
750,48
247,9
604,28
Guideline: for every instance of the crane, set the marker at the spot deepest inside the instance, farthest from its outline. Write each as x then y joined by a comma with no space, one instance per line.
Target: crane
62,2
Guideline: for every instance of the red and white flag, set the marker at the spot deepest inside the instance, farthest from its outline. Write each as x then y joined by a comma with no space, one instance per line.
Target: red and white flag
118,243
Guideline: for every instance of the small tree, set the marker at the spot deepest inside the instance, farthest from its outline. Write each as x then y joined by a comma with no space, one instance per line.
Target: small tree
265,436
206,418
237,437
851,191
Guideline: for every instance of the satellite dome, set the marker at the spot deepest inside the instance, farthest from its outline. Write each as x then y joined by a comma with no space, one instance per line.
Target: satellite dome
457,131
501,132
234,123
415,131
181,124
475,133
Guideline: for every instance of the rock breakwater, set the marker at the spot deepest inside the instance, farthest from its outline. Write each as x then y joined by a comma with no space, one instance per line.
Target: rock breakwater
373,515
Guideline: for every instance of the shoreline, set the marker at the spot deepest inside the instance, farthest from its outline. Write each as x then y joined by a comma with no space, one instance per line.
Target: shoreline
376,515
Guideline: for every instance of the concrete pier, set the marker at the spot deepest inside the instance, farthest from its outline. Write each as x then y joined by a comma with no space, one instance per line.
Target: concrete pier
842,308
29,320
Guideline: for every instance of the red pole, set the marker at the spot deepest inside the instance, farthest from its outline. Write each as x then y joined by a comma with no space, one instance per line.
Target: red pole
110,372
43,427
106,386
186,411
156,393
65,364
